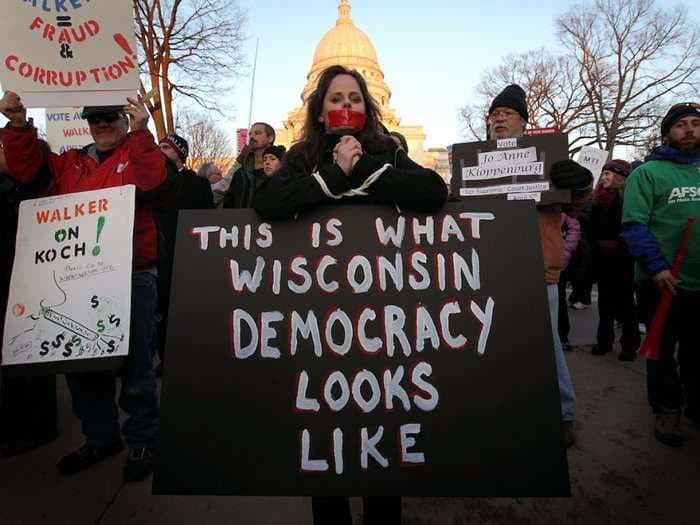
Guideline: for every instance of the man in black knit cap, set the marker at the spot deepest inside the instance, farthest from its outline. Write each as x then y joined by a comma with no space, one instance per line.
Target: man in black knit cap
191,193
507,119
508,113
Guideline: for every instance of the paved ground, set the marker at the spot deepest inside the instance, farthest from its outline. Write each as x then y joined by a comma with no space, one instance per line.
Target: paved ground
619,473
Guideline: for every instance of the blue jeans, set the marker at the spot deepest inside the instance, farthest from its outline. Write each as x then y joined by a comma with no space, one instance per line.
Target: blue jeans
566,387
94,393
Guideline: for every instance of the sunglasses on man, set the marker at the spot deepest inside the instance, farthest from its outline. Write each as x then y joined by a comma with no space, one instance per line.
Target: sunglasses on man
107,118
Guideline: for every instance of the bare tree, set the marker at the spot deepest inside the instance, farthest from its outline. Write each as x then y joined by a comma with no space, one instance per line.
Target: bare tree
555,94
207,141
632,58
473,118
188,47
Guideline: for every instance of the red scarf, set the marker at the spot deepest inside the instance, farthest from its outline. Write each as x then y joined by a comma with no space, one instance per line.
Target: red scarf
606,197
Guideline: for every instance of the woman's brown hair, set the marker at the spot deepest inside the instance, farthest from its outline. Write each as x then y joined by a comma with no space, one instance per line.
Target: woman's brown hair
308,151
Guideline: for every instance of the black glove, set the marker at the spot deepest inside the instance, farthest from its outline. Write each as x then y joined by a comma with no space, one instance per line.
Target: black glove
567,174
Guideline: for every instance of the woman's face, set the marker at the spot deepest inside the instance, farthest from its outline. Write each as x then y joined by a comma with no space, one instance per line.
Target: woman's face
343,93
270,164
610,179
607,178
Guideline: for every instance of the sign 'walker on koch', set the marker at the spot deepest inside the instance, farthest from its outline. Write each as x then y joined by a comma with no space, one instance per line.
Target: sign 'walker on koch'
515,168
70,295
355,350
69,52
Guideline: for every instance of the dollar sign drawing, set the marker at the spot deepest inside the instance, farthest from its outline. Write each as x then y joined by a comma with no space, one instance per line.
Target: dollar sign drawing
66,52
58,341
75,340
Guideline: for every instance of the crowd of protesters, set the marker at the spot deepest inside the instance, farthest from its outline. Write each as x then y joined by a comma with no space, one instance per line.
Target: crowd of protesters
623,234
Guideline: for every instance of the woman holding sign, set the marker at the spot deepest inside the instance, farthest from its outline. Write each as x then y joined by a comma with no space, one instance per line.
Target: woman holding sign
344,156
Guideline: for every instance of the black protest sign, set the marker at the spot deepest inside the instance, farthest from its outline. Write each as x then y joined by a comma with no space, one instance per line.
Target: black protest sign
515,169
359,351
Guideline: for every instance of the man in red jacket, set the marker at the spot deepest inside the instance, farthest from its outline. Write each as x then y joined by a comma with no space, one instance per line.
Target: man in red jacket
117,157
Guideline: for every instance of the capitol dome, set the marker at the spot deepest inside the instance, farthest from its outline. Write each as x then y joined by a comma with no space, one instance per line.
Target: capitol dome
344,42
349,46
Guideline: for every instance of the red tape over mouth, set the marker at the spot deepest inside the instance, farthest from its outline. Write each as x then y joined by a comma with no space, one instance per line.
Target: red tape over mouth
346,119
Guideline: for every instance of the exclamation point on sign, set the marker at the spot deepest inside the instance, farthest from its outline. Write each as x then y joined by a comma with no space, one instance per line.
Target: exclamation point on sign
121,40
100,226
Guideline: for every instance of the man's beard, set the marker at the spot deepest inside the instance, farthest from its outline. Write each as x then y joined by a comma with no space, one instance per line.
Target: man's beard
676,144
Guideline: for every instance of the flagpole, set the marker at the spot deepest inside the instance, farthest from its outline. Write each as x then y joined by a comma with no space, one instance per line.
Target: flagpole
252,84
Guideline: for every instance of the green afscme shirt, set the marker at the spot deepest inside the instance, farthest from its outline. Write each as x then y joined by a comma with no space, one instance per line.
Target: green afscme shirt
664,195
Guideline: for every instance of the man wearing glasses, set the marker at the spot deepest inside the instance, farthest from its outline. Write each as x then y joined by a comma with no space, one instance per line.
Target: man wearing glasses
124,152
507,119
660,196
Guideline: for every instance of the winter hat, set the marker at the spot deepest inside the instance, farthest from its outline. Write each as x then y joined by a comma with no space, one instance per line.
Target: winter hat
619,166
277,151
676,113
513,97
179,144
